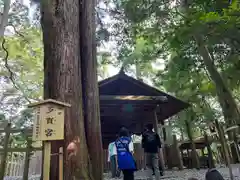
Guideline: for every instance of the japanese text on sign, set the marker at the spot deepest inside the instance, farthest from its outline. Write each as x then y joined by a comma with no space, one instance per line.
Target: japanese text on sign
37,126
52,123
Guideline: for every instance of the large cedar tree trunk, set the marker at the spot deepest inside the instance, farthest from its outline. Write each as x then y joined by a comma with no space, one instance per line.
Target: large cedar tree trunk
90,87
62,79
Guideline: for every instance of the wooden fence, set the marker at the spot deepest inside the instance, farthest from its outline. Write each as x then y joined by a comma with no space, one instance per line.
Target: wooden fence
18,161
15,164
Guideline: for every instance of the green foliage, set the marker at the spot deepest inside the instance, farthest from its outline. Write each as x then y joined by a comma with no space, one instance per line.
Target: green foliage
25,60
21,67
160,30
21,74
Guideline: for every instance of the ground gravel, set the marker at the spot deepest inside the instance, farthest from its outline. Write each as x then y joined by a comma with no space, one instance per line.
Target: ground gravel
169,175
187,173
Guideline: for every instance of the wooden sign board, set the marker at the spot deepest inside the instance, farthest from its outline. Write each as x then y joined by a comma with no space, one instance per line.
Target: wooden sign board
49,120
36,125
52,122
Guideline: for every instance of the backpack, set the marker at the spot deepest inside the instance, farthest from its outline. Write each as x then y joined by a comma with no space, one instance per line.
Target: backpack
125,157
150,137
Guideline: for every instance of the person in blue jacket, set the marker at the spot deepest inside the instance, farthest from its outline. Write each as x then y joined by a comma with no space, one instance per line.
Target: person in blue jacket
124,150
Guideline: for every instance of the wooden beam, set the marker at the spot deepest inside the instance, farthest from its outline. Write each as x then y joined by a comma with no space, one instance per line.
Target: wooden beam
118,114
134,98
136,105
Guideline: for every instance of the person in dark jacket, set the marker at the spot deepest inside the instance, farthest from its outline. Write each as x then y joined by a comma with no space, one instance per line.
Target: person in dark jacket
151,144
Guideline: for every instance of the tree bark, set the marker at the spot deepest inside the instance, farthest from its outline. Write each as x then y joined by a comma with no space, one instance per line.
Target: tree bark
62,80
90,87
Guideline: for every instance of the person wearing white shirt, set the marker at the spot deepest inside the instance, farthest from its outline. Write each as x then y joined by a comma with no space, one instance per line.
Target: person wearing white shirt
112,159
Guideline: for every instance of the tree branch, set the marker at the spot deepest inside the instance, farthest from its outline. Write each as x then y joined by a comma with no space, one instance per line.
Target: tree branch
17,32
11,74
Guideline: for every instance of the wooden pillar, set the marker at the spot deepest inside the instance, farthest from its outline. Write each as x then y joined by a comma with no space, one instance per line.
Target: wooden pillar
164,149
194,156
61,163
27,159
210,155
161,157
178,155
5,151
225,148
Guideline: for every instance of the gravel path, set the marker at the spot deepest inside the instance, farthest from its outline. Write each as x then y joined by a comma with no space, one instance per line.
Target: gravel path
187,173
169,175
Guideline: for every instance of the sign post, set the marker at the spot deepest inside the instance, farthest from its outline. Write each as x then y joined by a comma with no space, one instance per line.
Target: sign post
48,126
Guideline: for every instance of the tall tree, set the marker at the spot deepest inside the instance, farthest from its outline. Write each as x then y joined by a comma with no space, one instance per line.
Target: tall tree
62,79
90,86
